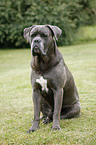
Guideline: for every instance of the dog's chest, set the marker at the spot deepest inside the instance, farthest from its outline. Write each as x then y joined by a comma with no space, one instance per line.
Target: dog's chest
43,83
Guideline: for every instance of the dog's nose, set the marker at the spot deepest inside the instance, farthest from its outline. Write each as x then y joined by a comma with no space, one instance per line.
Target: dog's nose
37,40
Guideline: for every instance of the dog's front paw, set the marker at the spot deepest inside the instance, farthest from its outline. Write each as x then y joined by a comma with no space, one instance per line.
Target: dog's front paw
34,127
56,126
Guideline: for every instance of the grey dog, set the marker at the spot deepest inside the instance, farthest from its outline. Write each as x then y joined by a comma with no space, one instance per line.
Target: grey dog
54,90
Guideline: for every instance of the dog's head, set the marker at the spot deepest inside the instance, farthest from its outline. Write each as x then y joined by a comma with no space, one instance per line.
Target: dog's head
42,38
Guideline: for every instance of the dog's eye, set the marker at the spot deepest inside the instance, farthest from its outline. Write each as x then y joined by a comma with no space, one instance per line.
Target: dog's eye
33,35
44,35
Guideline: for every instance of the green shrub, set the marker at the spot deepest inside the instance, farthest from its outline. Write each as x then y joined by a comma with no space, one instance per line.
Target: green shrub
89,11
85,33
16,15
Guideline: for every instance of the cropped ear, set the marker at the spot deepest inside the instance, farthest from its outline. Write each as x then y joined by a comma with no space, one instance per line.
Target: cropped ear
56,31
27,34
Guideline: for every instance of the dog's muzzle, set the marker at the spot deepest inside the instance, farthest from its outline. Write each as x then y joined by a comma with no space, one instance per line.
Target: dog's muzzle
35,50
37,47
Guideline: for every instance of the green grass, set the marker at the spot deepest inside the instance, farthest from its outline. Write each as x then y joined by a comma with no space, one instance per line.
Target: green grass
16,108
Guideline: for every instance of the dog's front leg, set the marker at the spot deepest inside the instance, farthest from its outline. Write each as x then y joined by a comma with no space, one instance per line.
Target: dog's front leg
36,101
58,97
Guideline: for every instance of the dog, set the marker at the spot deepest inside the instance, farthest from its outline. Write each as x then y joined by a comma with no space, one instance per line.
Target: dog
54,90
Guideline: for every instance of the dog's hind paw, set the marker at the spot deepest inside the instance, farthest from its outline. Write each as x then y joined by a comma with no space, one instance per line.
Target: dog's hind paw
47,120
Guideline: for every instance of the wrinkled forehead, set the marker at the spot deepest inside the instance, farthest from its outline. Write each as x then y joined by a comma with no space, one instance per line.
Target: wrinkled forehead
40,29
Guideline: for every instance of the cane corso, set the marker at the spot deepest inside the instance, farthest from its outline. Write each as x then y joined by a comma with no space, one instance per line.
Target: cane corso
54,90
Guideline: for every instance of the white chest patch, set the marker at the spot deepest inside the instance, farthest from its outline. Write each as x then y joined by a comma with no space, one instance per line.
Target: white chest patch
43,83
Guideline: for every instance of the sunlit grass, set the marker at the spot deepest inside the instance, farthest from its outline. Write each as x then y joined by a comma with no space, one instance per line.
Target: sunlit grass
16,108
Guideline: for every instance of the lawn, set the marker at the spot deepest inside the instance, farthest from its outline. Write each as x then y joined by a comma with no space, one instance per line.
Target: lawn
16,108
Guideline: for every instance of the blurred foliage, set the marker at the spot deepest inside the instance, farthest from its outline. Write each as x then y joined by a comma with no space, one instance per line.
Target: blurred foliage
66,14
85,34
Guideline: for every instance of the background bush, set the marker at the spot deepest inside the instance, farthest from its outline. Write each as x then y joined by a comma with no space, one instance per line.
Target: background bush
66,14
85,34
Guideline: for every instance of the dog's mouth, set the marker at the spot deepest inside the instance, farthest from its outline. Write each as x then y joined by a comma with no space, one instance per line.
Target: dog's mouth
36,50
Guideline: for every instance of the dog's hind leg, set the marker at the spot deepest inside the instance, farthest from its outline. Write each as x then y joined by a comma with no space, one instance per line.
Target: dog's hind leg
72,112
47,106
46,111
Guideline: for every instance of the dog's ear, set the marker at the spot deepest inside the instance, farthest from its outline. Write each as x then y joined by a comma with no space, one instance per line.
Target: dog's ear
56,31
27,34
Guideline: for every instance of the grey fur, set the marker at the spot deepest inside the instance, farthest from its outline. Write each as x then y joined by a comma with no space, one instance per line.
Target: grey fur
61,100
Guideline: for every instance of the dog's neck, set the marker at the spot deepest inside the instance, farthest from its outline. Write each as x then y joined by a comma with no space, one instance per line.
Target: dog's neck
42,65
